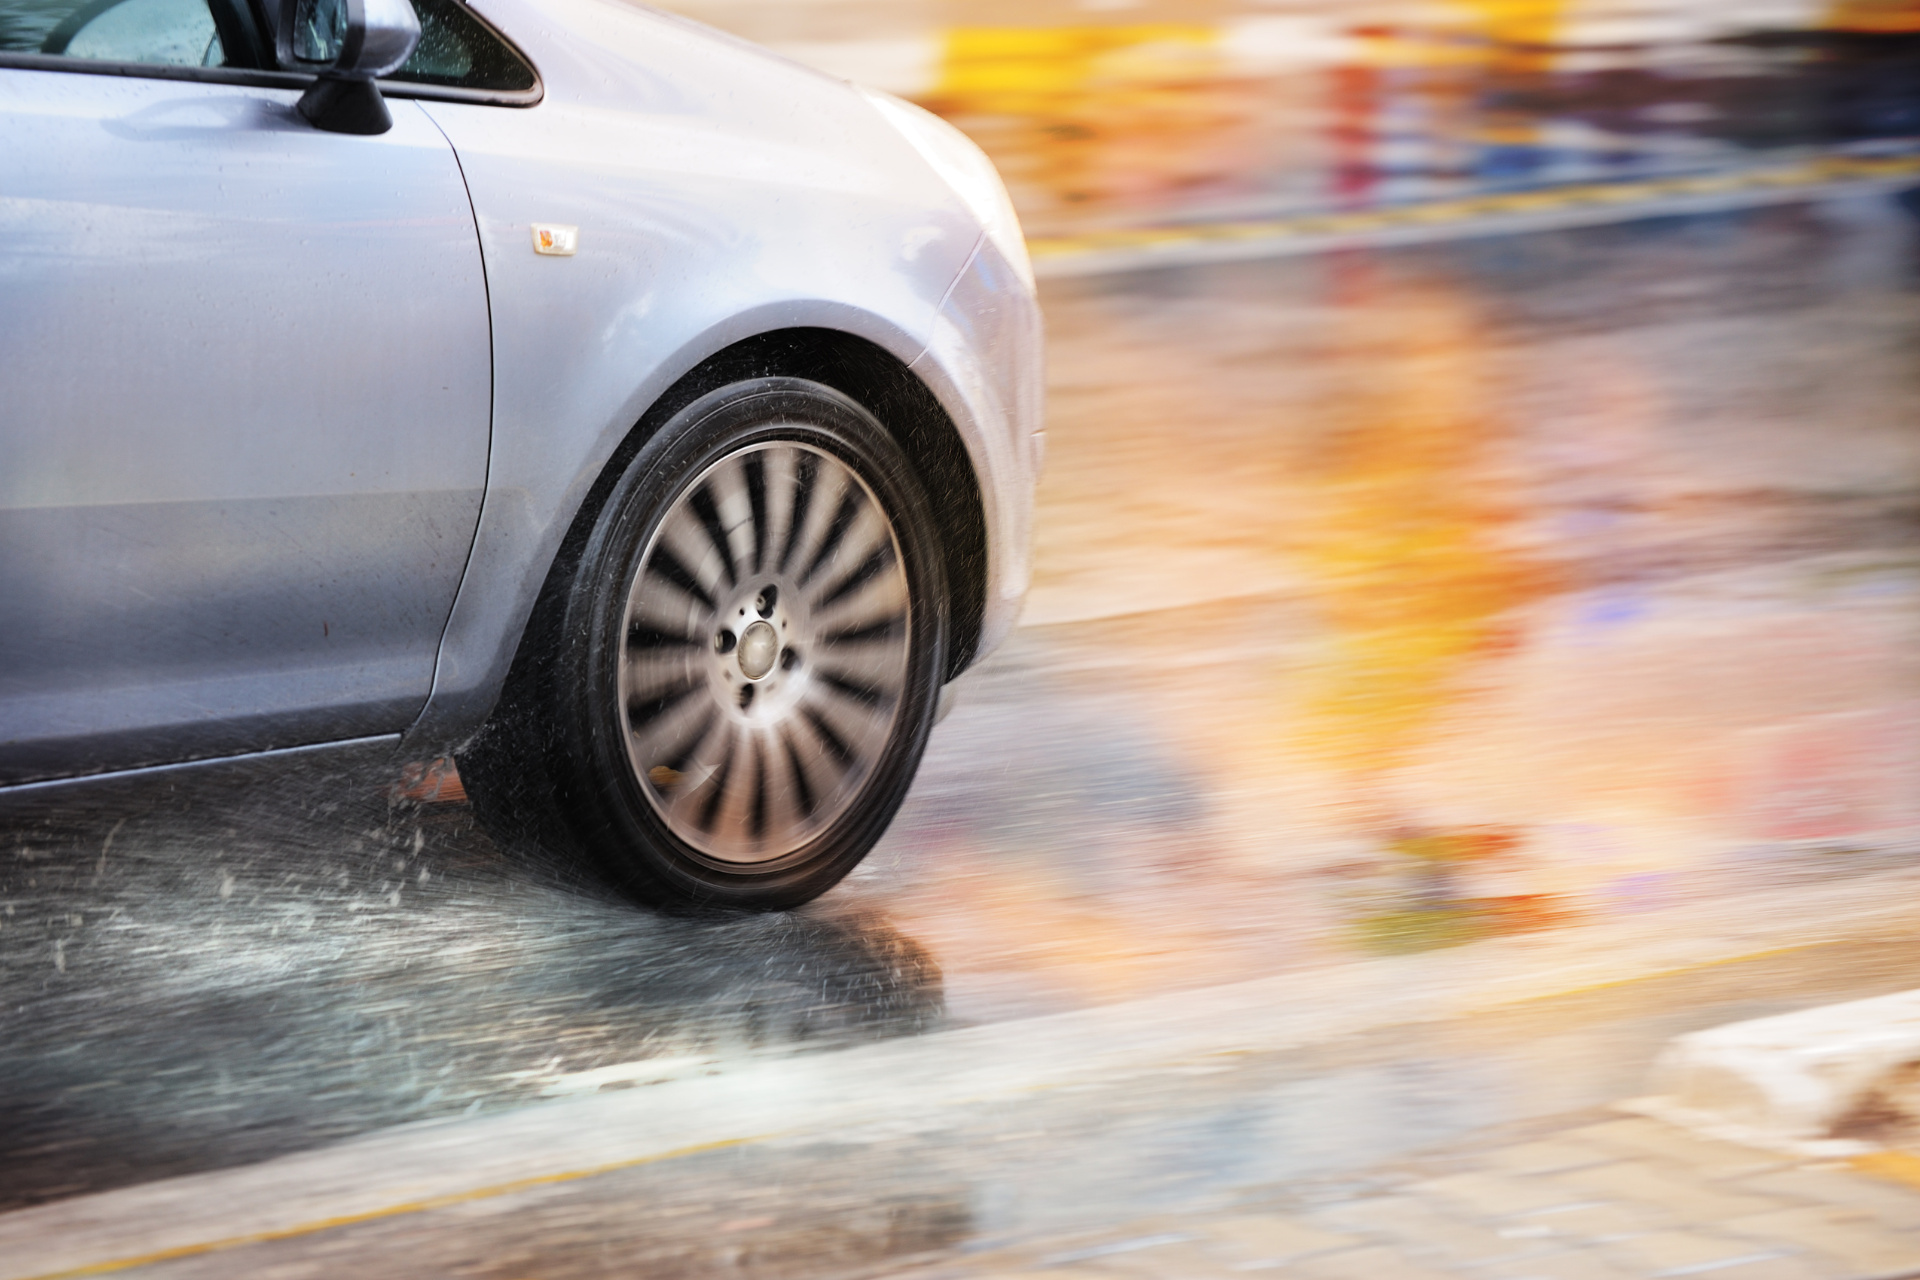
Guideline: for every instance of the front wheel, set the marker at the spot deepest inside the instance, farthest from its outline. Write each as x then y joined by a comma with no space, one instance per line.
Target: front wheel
750,655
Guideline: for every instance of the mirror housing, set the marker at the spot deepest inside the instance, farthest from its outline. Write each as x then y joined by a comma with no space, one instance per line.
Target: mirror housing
350,42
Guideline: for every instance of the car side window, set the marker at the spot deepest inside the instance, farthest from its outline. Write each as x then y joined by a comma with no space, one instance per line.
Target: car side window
458,50
167,33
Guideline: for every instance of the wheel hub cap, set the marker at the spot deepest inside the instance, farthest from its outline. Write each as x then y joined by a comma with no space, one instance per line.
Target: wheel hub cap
759,650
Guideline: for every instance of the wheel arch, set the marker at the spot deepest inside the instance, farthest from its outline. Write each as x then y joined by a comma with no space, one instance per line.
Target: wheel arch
868,374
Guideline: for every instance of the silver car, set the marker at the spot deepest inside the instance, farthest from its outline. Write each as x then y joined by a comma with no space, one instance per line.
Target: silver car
646,420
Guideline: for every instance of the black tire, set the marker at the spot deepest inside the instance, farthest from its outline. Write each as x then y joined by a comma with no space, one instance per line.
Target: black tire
730,702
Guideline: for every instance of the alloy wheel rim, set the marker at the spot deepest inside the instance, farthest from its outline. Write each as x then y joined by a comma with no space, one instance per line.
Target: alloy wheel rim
765,648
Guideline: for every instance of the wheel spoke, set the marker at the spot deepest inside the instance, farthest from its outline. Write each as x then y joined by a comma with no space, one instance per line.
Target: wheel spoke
755,467
717,794
666,565
644,635
867,695
703,506
879,560
801,784
757,810
829,737
686,752
806,472
836,532
865,632
644,710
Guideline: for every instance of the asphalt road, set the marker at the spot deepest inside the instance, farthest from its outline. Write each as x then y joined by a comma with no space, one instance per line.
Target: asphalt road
1385,602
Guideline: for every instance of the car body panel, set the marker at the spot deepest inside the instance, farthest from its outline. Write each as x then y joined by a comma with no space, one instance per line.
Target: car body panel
245,437
984,362
720,193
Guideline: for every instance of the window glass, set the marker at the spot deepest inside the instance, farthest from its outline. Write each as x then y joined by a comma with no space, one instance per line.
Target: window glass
457,49
319,30
171,33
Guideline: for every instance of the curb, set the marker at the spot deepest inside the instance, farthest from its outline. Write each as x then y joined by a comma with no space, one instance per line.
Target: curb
1806,1082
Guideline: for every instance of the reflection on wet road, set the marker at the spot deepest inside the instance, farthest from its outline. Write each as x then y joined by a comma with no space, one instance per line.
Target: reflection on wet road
1387,601
1541,587
235,962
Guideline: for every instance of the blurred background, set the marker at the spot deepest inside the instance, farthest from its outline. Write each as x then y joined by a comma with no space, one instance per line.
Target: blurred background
1110,114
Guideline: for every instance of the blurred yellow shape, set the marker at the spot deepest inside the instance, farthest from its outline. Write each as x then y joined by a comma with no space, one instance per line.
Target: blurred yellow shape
1403,538
1880,17
1518,22
1102,116
1523,33
1900,1166
1022,70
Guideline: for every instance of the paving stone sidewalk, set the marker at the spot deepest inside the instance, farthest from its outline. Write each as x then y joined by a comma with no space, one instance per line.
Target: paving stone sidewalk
1605,1199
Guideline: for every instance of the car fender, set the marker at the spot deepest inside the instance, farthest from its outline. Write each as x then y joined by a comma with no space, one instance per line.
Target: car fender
718,192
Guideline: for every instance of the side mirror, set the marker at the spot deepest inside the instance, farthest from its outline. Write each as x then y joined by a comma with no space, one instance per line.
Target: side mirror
349,42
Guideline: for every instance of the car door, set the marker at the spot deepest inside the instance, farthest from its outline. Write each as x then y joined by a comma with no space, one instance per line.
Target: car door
246,375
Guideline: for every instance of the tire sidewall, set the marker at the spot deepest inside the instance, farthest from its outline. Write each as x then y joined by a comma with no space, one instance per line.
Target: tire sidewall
602,799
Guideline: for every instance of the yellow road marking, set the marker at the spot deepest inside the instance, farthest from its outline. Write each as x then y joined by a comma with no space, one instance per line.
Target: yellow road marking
1813,173
390,1211
1676,971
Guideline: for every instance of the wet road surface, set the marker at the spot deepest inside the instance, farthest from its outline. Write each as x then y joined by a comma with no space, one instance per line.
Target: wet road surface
1551,587
225,964
1385,600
